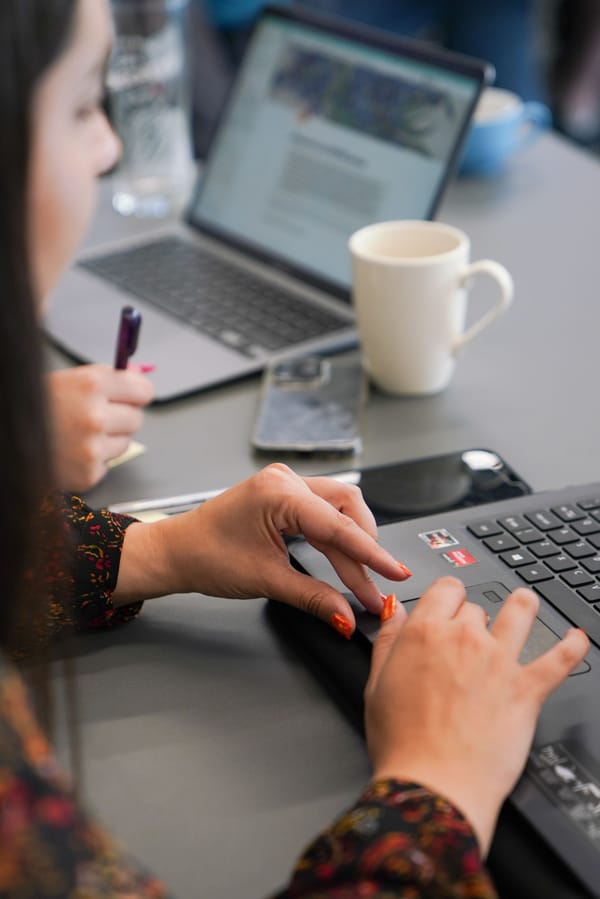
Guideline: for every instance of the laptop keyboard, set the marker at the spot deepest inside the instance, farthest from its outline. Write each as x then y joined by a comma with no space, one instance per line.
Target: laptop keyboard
557,552
229,304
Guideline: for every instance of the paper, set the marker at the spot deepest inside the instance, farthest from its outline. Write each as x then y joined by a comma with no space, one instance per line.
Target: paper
134,450
151,515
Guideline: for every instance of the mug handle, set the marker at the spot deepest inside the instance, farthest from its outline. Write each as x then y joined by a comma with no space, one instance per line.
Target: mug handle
536,117
506,285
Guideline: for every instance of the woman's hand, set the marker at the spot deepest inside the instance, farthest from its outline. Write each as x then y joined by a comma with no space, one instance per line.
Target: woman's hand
95,411
234,546
449,706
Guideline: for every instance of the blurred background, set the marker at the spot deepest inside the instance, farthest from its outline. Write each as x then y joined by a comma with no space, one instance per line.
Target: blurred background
546,50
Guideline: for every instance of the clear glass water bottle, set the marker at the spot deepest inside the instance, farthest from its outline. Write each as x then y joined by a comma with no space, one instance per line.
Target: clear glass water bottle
150,107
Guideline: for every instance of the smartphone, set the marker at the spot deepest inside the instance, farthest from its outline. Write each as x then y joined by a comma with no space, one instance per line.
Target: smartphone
399,490
310,405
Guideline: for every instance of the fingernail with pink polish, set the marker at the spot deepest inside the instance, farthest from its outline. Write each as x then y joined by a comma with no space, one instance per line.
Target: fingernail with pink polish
342,625
143,368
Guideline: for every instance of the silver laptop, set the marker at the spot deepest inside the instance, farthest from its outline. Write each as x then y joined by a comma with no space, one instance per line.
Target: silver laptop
329,127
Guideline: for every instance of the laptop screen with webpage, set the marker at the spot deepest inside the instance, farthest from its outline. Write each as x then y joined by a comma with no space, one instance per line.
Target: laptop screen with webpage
327,131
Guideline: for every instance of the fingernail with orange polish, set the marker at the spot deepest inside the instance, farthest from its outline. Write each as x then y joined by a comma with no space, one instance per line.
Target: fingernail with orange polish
389,607
405,571
342,625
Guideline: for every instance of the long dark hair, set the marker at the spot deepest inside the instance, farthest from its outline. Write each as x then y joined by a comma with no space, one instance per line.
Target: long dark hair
32,34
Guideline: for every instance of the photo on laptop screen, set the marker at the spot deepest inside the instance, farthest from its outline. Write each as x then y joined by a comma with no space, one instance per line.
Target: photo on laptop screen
329,127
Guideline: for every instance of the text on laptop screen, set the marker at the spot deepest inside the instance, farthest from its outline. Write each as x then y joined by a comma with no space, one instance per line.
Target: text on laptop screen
324,135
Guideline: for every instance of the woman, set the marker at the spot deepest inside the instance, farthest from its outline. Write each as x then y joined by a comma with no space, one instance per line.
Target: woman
436,679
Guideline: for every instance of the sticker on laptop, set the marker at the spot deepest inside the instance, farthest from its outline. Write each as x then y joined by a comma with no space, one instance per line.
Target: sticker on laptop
569,785
460,558
439,539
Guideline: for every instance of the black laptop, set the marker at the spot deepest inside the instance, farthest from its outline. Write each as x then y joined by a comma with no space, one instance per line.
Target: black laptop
550,542
330,126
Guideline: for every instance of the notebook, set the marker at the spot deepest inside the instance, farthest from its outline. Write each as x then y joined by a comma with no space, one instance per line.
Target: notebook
550,542
330,126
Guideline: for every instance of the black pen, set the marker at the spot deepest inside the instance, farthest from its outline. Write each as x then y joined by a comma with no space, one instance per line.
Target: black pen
127,338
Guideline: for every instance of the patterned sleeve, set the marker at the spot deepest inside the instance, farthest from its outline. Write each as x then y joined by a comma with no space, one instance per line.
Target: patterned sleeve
50,846
399,840
81,581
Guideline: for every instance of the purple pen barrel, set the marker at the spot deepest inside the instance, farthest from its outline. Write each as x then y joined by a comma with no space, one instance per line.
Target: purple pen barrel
127,338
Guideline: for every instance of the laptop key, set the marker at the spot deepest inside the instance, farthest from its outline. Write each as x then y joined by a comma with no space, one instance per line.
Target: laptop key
544,520
563,535
544,548
581,549
532,574
577,578
568,512
256,351
501,543
514,523
593,502
561,563
231,338
586,526
518,557
528,535
591,593
592,564
485,529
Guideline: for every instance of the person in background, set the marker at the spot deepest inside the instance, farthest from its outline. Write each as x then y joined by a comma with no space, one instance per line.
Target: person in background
576,70
233,20
94,413
450,711
503,32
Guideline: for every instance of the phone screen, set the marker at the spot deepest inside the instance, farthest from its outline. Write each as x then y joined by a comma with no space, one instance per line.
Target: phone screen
310,405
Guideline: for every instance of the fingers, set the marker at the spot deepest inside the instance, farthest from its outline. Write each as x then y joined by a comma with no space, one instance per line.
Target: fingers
324,527
515,620
301,510
356,577
471,613
128,387
121,419
388,633
314,597
91,383
548,671
512,628
442,600
346,498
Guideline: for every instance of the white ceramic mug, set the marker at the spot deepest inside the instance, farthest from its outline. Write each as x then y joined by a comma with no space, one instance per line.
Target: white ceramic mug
410,284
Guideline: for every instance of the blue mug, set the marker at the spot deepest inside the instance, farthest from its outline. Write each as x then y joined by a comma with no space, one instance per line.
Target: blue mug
503,123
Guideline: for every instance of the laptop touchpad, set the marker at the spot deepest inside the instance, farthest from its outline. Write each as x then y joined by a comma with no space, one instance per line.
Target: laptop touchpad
490,597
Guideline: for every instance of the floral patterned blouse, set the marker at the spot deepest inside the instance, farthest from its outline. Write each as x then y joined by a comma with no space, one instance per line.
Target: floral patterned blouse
398,840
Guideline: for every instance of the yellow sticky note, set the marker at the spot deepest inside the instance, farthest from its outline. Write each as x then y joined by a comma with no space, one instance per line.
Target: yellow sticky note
134,450
150,515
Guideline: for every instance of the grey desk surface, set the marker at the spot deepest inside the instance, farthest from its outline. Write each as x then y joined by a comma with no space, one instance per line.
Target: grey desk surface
207,747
